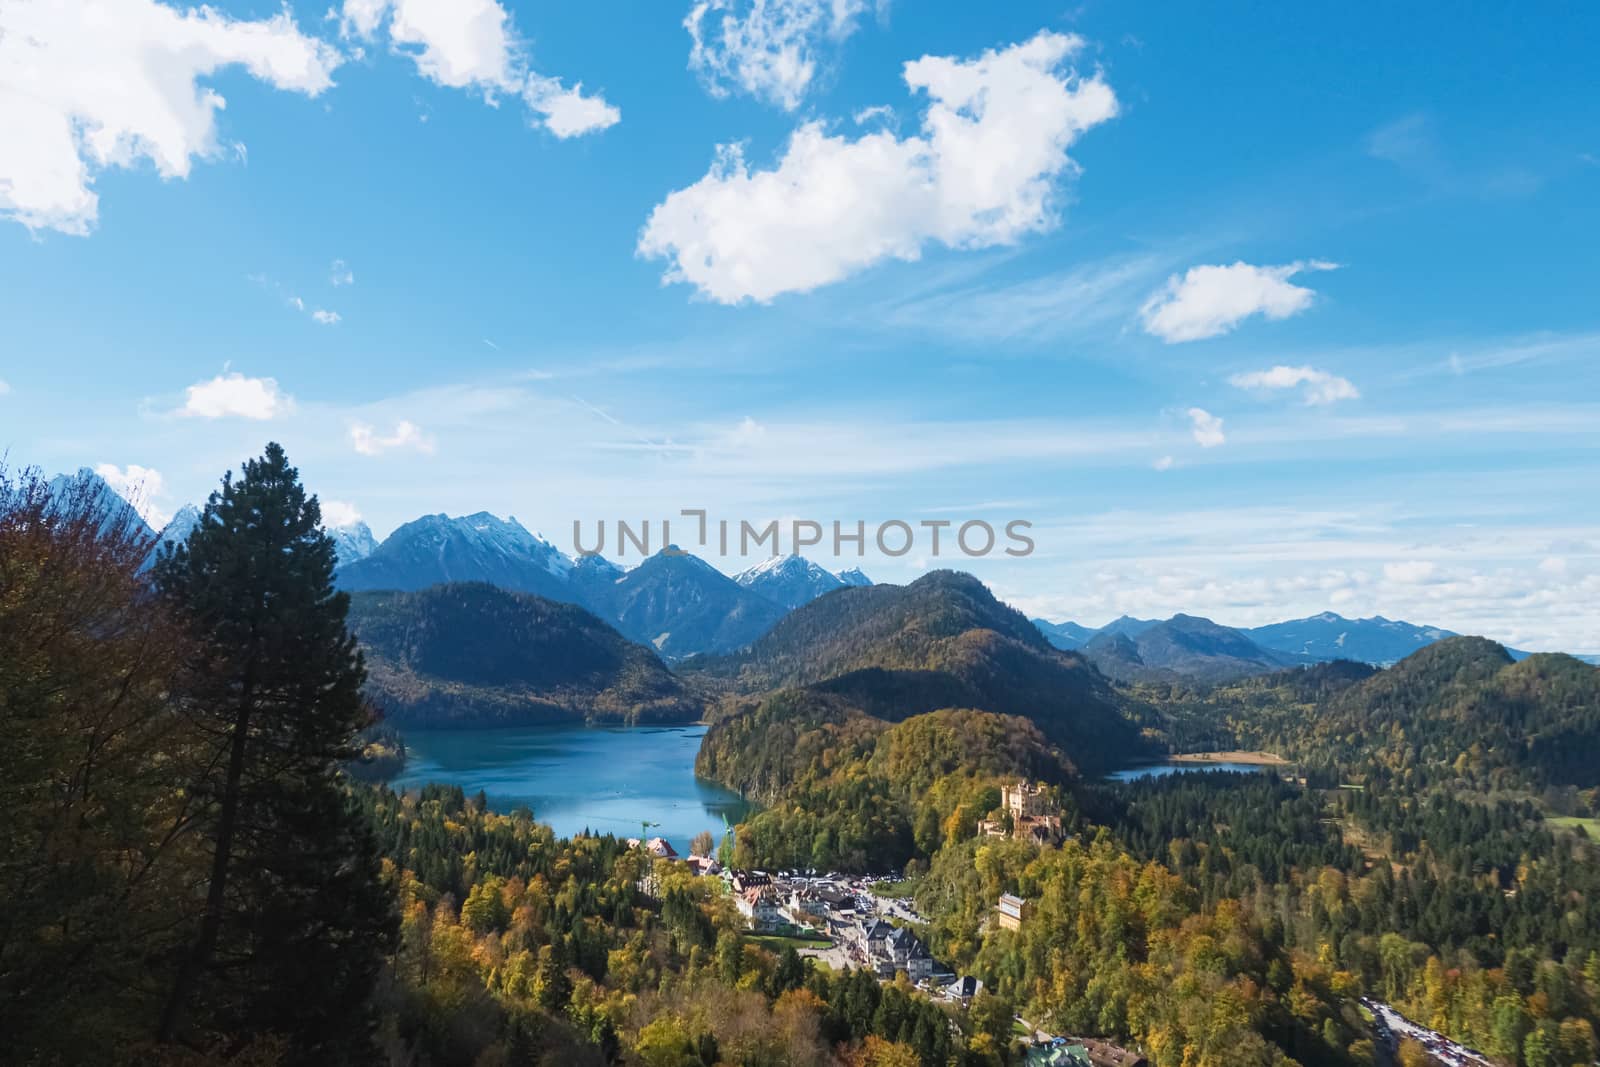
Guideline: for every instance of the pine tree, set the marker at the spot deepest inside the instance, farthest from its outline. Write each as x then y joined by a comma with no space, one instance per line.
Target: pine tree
295,920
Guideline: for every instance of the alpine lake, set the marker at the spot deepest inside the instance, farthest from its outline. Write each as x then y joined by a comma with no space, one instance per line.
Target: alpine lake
628,781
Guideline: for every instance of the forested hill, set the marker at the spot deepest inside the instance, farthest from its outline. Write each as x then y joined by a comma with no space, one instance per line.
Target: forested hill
848,791
471,654
889,626
942,641
1461,704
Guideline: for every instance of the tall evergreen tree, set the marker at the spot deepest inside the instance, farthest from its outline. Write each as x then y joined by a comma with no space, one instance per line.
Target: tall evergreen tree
295,920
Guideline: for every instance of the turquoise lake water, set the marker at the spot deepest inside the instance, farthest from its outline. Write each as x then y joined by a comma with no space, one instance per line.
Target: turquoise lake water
1161,770
603,779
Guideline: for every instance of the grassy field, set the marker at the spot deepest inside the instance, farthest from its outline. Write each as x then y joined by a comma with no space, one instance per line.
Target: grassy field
1573,822
777,942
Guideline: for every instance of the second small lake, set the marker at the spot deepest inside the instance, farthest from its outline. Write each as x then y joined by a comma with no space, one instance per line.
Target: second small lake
1161,770
604,779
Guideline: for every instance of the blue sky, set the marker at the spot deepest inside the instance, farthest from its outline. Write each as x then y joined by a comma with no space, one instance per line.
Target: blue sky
1253,310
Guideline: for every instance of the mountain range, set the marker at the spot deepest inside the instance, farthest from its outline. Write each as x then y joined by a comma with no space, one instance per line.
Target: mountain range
1184,647
1196,649
682,606
674,601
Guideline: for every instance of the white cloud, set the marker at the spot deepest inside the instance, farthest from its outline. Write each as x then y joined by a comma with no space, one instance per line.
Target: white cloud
1206,427
1321,387
1409,572
765,48
876,113
567,112
338,513
983,172
1163,464
5,387
1211,300
406,435
472,44
233,395
339,273
97,84
326,318
139,486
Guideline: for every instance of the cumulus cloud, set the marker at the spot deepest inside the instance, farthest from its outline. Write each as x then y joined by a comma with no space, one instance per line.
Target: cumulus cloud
1320,387
1206,427
1211,300
1164,463
567,112
97,84
983,171
337,513
235,396
767,49
406,435
5,387
325,317
139,486
472,44
339,273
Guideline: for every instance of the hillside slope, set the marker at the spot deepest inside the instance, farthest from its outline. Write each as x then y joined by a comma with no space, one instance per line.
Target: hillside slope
1459,706
943,641
470,654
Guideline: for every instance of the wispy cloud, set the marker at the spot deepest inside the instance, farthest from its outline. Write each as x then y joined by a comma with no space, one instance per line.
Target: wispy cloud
1206,428
1317,386
1033,311
768,49
472,44
1413,144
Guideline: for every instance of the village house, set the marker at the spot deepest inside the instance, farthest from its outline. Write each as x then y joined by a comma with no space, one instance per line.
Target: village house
739,881
1014,911
659,847
762,906
963,989
812,905
704,865
895,948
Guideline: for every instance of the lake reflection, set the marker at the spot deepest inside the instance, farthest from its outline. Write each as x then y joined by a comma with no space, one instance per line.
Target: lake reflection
604,779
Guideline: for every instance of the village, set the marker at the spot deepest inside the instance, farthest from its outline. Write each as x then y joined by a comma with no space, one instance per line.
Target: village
848,922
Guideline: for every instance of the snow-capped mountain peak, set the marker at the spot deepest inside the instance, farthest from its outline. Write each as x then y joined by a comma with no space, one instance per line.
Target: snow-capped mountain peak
788,580
180,526
353,541
853,576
